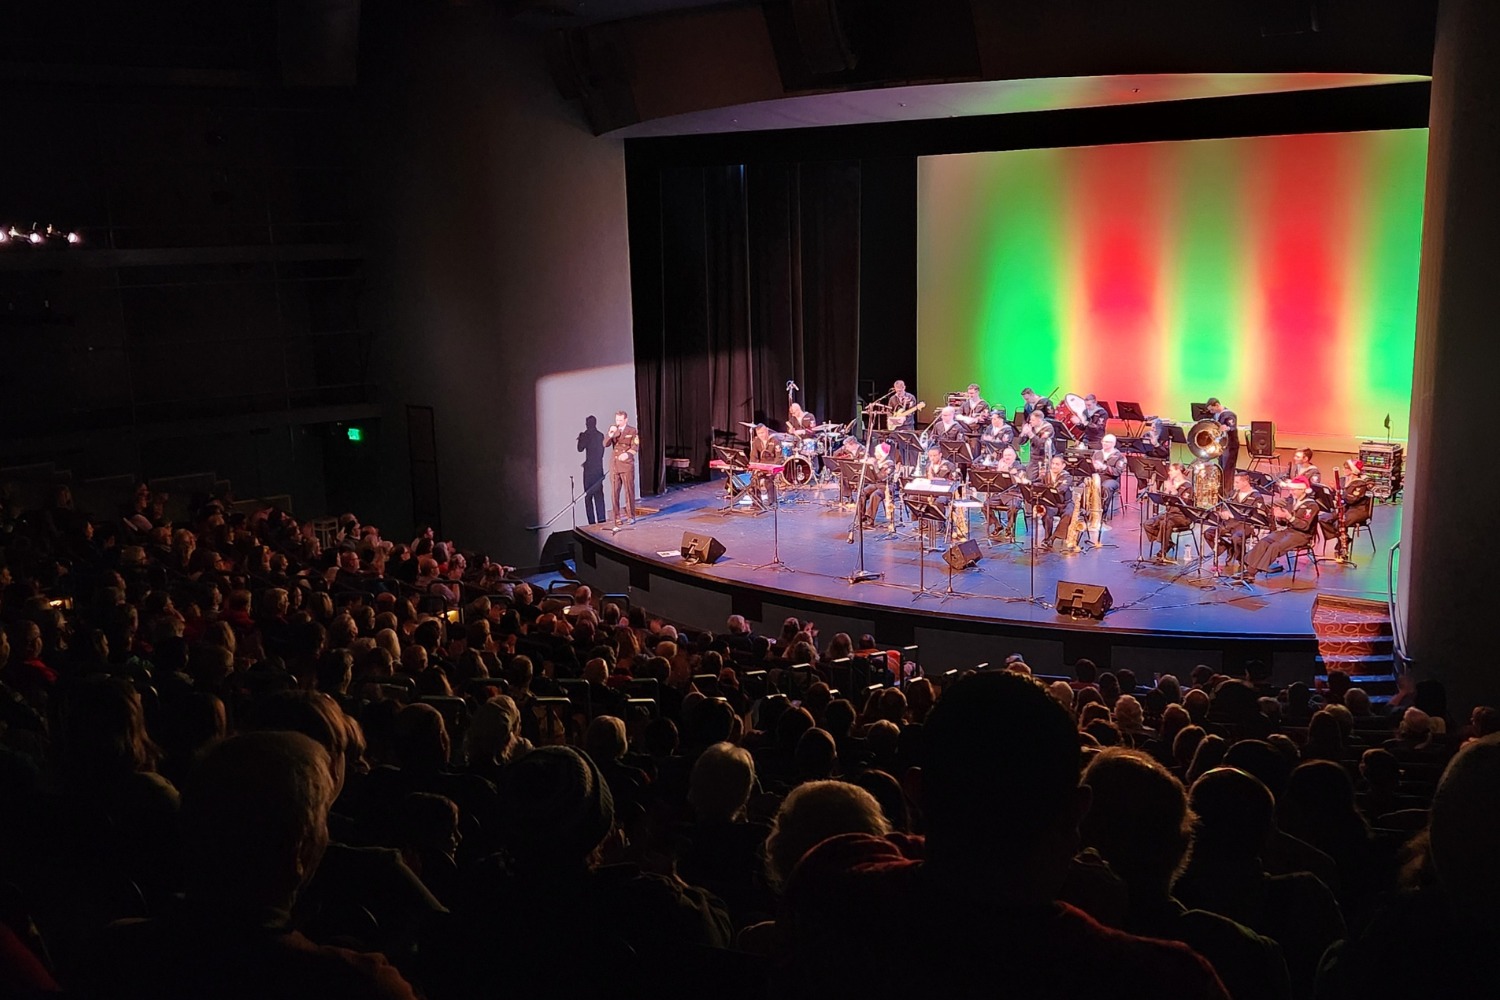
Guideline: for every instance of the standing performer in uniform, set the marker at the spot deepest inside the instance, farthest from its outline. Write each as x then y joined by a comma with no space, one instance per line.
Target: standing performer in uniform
1035,402
1231,456
624,443
877,482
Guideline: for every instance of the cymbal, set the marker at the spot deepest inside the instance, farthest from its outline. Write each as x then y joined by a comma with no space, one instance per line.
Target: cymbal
831,426
746,423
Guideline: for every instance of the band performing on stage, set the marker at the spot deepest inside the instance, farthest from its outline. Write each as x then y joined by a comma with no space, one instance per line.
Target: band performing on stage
1052,476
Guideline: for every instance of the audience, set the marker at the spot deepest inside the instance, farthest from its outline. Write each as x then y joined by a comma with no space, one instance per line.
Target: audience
405,771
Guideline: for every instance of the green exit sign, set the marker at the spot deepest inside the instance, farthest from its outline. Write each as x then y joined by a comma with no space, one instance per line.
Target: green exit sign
356,434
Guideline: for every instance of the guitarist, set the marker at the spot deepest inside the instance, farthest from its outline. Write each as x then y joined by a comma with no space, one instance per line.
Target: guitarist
903,418
902,402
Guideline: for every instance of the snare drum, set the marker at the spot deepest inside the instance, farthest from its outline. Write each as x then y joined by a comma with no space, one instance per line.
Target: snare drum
798,471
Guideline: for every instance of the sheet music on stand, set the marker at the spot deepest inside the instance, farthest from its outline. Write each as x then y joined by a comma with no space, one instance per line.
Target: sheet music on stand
957,450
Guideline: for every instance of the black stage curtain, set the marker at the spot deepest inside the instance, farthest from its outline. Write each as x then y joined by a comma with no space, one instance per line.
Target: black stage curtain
743,277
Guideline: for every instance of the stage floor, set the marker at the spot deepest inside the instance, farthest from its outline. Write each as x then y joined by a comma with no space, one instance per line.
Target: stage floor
811,535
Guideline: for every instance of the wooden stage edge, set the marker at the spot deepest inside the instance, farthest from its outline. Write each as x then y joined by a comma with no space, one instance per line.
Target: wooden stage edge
1165,619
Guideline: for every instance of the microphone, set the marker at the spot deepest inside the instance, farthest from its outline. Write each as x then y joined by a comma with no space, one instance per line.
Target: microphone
792,386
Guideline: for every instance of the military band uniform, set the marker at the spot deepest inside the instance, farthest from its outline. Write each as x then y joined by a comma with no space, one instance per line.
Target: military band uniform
940,431
624,444
1355,511
1095,422
1006,502
1063,484
764,452
977,410
1231,456
877,482
1109,476
1298,532
1161,529
902,401
995,440
1229,536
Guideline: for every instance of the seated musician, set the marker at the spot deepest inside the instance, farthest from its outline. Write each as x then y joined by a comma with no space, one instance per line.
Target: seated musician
1057,477
974,411
1302,465
1035,402
1095,419
882,466
1155,442
799,422
1358,507
947,427
1007,502
939,466
1227,535
764,450
1301,520
1109,462
997,437
1038,431
1161,528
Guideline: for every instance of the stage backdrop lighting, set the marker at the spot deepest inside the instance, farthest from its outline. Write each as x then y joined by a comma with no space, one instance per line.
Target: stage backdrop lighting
1278,273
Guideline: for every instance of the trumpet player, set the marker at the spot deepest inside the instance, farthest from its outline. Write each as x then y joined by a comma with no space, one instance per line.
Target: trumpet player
996,438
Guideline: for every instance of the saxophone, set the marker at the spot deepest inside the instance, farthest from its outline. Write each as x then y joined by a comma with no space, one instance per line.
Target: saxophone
1088,509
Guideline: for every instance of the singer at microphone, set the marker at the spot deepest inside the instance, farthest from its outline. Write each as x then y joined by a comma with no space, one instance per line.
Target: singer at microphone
625,444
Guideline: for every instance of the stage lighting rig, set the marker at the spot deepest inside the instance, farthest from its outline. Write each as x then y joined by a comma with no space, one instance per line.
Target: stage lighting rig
12,235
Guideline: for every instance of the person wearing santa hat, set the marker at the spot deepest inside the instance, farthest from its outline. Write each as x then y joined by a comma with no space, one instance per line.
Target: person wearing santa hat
1301,525
1359,505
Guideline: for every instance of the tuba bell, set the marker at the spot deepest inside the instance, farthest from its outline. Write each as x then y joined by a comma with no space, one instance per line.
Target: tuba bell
1206,440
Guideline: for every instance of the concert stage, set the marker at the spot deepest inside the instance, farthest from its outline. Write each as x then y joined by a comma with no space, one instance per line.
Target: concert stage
1165,618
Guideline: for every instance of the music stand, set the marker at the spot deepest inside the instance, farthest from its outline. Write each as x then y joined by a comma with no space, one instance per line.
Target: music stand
1169,502
926,507
731,456
957,450
1199,411
1254,519
847,471
1034,495
994,484
775,563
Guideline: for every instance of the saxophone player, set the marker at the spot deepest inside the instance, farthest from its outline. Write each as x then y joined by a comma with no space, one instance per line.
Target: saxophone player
877,482
1056,476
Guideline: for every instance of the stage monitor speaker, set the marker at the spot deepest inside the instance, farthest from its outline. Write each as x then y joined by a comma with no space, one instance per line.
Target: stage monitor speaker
1083,600
963,555
1262,438
701,548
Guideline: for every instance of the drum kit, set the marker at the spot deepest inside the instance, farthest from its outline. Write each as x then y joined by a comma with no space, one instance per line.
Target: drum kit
800,456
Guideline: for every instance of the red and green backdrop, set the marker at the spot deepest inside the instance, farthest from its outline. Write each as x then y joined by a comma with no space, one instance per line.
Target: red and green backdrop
1277,273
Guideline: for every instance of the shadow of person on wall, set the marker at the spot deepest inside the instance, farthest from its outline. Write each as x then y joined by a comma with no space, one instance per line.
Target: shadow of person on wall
591,443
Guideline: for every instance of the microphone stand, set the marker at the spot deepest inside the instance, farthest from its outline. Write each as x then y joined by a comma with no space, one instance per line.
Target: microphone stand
857,531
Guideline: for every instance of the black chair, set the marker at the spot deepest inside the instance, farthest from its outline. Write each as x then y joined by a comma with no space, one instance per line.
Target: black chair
1295,556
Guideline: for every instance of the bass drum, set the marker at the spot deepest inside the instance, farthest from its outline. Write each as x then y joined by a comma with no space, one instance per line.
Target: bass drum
1070,415
798,471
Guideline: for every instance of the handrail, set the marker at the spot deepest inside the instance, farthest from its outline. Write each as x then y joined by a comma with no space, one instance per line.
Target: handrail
1398,639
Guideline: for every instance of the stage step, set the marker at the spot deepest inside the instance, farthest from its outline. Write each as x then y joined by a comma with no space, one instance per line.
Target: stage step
1355,636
